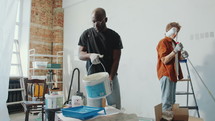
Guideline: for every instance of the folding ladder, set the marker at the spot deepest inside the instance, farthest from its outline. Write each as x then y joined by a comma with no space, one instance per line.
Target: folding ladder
189,91
16,65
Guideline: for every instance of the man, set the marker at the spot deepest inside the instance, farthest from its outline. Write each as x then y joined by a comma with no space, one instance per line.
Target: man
100,44
168,67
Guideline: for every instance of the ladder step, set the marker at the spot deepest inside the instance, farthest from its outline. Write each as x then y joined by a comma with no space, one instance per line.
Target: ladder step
15,77
17,102
190,107
15,64
15,52
184,93
185,80
183,61
18,89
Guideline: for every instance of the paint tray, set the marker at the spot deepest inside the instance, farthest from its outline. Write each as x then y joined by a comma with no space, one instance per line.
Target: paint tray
82,112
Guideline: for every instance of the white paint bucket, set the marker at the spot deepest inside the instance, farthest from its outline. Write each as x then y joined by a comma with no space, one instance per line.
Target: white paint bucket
97,85
53,101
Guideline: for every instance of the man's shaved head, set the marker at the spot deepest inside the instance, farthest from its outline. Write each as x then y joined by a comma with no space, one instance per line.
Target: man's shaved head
99,19
99,12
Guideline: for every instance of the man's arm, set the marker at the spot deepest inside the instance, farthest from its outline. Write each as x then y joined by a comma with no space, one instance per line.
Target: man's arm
168,58
83,55
116,59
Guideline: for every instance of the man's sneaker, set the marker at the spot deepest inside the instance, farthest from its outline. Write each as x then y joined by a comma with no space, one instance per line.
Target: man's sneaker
168,115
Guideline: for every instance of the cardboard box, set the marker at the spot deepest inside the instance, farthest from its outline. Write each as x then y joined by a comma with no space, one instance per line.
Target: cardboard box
158,112
195,119
175,106
180,114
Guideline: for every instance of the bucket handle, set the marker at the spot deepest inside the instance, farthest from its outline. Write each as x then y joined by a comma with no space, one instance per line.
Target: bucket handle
93,64
111,83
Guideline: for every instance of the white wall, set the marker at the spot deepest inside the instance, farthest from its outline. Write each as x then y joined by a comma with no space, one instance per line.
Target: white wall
141,24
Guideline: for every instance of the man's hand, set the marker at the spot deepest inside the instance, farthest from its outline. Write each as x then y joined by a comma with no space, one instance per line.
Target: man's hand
178,47
94,58
184,54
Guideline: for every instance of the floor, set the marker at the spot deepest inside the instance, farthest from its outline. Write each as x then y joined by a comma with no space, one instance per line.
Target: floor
20,116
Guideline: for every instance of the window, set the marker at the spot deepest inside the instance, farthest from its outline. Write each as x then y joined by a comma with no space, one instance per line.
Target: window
15,62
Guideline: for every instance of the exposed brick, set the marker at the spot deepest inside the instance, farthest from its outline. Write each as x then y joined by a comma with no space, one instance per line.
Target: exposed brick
46,31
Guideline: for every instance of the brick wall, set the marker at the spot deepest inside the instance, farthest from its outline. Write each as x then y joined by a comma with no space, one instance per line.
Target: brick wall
46,31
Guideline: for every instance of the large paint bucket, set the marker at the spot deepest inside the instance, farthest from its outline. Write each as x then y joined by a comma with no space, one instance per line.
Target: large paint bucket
97,85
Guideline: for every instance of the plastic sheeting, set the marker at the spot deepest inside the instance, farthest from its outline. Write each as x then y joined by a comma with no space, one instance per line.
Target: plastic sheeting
8,11
117,117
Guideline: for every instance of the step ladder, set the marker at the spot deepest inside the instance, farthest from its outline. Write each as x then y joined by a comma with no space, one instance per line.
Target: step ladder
19,77
189,91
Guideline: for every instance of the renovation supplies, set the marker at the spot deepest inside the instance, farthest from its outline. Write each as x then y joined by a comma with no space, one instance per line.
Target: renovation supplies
49,76
53,101
82,112
77,101
97,85
53,65
39,77
38,90
78,93
39,64
34,98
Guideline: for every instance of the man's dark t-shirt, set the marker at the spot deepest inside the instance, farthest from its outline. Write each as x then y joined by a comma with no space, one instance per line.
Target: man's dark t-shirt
101,43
